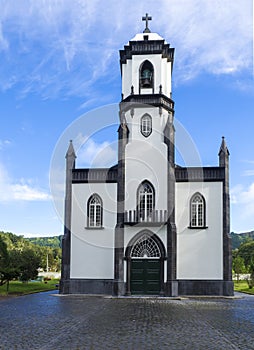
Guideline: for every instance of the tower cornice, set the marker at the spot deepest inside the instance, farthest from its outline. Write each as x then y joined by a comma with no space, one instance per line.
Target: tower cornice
141,101
146,47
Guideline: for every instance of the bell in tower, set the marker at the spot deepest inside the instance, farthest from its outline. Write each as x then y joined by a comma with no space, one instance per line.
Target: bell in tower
146,75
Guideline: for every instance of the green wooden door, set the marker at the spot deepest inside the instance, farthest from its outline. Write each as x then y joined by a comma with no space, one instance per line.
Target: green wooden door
145,276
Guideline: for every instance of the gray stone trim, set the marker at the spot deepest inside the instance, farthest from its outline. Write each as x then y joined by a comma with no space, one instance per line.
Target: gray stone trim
199,174
64,287
98,175
142,101
89,286
227,249
227,246
66,240
205,287
171,286
119,285
182,174
171,289
147,47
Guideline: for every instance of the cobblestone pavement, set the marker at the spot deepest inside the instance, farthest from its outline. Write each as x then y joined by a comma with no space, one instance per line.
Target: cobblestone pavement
46,321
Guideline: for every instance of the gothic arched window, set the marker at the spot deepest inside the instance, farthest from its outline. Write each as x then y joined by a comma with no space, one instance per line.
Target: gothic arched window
94,208
197,211
145,247
146,125
145,201
146,75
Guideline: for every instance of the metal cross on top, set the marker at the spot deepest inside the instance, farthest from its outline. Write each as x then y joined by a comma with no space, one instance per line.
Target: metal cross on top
147,18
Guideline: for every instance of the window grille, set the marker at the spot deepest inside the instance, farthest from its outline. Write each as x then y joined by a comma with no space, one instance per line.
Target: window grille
95,211
197,211
145,247
146,125
145,201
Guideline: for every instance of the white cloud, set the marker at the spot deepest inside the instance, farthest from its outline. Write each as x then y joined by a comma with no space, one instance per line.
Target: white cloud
96,154
66,47
4,143
242,198
249,172
19,191
212,36
25,193
3,42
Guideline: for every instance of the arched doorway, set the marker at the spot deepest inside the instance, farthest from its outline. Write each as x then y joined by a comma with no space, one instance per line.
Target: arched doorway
145,257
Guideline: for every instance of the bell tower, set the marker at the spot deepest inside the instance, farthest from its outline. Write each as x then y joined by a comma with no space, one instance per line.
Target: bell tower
146,159
146,64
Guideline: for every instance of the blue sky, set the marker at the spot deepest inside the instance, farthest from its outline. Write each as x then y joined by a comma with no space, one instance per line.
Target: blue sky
59,60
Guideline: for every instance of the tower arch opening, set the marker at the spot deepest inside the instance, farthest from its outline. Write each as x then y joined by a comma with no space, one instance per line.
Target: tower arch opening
146,75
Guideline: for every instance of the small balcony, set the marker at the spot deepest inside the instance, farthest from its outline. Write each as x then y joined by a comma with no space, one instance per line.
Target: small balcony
141,218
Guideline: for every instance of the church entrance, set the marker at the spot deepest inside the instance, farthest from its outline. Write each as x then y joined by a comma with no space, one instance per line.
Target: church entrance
145,276
145,256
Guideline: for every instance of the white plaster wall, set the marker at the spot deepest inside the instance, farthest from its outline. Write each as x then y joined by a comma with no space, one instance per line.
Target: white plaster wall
146,158
92,250
162,74
127,78
200,251
130,232
166,77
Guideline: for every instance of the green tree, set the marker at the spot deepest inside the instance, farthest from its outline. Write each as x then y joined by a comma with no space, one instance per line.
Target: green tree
29,264
246,251
3,261
250,280
46,248
238,265
8,265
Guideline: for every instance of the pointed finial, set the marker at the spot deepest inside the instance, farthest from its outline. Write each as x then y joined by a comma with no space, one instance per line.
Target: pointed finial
70,151
223,147
146,18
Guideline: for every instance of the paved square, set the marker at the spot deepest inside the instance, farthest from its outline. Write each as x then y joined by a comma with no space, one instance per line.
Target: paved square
46,321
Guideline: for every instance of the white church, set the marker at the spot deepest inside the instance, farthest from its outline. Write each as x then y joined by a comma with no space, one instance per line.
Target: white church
147,226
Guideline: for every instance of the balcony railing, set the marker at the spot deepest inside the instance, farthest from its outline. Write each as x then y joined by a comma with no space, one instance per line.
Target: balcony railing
154,218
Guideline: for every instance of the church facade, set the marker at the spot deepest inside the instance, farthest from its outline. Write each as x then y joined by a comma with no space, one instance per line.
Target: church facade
147,226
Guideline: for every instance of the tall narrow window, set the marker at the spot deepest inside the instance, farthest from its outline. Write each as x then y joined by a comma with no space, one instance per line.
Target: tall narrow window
95,211
146,75
197,211
145,201
146,125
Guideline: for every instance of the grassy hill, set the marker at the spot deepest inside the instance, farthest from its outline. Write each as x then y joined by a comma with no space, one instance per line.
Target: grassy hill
55,241
238,238
47,248
52,242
